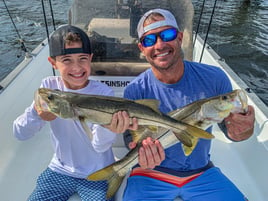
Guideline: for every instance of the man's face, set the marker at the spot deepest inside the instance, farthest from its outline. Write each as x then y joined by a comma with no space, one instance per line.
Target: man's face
73,68
162,55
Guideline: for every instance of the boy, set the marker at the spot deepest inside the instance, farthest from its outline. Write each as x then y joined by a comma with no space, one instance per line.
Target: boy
75,155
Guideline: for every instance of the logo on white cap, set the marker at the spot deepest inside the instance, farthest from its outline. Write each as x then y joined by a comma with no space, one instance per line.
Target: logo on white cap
169,21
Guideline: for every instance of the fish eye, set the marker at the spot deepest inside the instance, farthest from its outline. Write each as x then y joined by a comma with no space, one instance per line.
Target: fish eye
50,97
224,97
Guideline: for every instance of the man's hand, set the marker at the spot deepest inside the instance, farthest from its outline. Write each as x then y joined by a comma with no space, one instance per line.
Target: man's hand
121,122
151,153
240,126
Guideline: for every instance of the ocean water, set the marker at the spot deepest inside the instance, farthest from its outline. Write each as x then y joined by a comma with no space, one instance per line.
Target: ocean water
239,34
29,21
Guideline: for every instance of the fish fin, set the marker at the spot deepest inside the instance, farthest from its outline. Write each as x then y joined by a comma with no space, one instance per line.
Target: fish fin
191,131
152,103
184,138
113,185
175,114
102,174
198,132
85,127
137,134
188,150
113,179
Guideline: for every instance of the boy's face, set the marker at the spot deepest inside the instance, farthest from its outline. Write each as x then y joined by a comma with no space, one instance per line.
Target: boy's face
73,68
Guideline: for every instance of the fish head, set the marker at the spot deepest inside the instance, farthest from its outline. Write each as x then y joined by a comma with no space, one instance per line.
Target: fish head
53,101
218,108
239,101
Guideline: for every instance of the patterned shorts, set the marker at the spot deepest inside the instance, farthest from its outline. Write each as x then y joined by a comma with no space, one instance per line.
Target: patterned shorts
52,186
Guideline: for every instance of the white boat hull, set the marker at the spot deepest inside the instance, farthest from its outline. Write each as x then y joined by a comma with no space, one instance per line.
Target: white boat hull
245,163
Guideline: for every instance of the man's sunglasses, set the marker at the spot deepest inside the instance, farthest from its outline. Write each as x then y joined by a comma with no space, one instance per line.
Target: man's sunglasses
166,36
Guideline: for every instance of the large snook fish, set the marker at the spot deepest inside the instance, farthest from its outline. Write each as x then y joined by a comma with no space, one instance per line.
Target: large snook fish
100,109
202,114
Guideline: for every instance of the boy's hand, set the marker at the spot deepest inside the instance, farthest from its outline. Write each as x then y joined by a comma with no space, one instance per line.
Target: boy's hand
45,115
121,122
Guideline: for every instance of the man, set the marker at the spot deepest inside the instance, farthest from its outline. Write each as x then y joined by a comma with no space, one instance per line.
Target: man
176,83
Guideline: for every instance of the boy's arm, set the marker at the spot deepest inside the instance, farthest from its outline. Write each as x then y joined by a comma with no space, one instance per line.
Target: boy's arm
27,124
103,138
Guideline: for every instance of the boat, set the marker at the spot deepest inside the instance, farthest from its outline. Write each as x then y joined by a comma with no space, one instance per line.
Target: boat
113,34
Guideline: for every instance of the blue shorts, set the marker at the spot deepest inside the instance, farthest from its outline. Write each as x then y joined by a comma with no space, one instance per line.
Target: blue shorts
211,185
53,186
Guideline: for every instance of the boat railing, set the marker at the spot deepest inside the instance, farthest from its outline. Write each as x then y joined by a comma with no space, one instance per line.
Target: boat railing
14,73
212,58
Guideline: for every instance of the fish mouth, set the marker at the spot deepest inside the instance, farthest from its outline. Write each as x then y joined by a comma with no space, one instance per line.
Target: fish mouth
240,103
40,103
244,100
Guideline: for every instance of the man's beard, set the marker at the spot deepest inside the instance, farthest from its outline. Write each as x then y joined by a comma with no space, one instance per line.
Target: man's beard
170,65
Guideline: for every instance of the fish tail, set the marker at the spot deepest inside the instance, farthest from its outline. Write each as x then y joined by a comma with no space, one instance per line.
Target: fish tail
189,142
197,132
85,127
113,179
188,150
186,136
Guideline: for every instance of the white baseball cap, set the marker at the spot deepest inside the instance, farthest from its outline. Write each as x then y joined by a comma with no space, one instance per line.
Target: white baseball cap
169,21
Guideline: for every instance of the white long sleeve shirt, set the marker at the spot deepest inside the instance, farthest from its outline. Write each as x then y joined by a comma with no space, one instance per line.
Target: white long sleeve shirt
75,155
